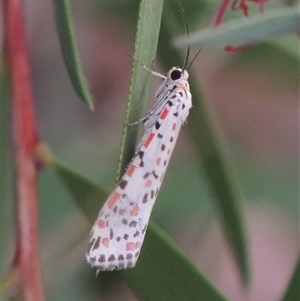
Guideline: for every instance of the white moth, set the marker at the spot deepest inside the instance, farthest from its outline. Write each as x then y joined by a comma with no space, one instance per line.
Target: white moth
119,231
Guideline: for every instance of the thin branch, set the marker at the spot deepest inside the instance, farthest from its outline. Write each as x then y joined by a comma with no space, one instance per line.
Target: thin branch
25,141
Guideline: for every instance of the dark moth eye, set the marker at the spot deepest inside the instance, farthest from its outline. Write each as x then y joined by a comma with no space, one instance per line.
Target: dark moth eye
176,74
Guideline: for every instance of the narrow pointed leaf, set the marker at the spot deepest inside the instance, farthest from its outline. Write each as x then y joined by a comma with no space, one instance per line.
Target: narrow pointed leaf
244,31
87,194
177,278
70,52
293,290
145,51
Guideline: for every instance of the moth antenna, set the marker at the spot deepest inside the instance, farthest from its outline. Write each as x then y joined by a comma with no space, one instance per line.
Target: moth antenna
192,61
188,35
186,66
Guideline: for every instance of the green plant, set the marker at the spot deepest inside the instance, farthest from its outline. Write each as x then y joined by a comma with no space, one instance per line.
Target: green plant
163,271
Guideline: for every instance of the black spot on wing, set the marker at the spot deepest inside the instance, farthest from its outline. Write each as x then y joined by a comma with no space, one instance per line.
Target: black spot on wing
146,175
141,155
132,224
154,174
111,258
102,258
123,184
97,243
145,198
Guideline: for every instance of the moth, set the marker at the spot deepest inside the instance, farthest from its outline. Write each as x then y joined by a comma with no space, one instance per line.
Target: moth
118,233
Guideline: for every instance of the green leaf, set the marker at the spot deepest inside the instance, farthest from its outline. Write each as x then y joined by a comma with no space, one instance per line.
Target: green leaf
293,290
145,51
69,51
163,269
244,31
212,152
87,194
7,167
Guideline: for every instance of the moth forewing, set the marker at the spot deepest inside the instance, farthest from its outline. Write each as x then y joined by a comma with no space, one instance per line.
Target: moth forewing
118,233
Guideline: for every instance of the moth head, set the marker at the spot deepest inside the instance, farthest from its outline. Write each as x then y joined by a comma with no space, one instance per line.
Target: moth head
177,73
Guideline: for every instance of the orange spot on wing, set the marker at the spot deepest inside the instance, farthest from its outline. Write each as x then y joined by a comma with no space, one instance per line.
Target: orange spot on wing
164,113
135,210
158,160
130,170
130,246
105,242
148,183
149,139
101,224
113,200
174,127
